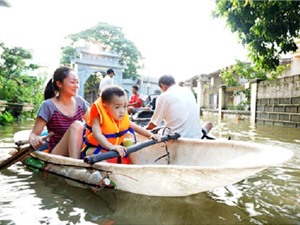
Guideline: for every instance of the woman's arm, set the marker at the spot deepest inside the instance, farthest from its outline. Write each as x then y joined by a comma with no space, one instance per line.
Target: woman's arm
35,139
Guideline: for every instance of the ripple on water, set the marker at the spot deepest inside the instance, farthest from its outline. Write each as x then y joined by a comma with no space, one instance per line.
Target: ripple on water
271,196
17,195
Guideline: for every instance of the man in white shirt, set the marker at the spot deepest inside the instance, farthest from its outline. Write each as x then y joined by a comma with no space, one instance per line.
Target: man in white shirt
108,80
177,107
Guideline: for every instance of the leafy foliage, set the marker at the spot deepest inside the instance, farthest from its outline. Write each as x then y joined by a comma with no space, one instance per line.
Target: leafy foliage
229,77
6,118
68,54
110,38
233,74
241,69
91,87
268,28
16,84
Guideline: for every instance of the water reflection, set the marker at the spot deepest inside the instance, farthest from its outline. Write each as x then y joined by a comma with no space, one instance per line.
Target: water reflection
272,196
269,197
58,203
243,130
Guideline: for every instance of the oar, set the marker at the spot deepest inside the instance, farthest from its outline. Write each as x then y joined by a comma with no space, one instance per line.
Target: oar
20,154
10,146
112,154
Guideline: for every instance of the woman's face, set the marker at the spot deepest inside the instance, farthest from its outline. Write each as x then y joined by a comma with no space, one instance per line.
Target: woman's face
117,107
70,84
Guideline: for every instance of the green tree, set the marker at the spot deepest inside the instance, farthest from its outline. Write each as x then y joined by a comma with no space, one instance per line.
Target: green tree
68,54
91,88
14,62
268,28
245,70
16,83
111,38
232,75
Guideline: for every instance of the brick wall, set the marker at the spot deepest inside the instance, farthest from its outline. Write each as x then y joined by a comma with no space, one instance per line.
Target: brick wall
278,101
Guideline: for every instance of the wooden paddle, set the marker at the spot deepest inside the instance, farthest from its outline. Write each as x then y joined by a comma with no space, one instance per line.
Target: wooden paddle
21,154
112,154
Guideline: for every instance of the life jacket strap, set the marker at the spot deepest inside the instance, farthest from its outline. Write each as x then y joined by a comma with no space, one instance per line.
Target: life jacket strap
99,148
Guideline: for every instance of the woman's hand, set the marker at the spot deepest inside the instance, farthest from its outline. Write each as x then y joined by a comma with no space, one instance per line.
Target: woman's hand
120,149
36,142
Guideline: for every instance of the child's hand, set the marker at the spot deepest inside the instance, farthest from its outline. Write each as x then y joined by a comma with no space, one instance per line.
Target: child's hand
120,149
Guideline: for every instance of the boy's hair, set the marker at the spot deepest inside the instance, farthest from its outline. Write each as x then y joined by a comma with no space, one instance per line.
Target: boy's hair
135,87
166,80
111,91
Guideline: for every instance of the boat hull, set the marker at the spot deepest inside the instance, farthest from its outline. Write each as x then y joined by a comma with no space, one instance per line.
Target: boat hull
180,167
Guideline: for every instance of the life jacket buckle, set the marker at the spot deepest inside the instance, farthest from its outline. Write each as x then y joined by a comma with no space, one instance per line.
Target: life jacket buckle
119,134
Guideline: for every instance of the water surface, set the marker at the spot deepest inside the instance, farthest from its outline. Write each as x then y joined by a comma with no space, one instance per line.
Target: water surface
269,197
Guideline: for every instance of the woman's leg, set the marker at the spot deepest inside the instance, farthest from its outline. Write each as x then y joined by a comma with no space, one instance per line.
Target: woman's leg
71,142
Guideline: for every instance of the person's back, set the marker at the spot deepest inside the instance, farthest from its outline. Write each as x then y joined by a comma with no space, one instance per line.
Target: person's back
177,107
180,112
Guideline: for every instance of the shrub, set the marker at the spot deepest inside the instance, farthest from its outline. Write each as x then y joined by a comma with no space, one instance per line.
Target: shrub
6,118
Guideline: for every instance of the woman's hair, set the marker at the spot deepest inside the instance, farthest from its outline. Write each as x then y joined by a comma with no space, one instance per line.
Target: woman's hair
59,75
109,92
166,80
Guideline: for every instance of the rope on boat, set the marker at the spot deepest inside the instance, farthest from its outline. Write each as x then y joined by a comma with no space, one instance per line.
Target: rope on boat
165,155
164,130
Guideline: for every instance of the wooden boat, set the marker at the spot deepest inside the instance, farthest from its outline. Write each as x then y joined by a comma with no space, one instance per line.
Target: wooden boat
179,167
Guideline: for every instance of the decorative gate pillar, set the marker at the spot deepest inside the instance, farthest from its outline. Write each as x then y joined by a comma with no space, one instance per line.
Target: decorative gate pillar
254,86
200,90
222,100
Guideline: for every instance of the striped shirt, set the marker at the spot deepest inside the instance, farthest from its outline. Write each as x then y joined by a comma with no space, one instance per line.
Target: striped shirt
57,122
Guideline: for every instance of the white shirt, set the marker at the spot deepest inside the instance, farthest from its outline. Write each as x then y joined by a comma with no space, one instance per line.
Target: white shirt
105,82
177,107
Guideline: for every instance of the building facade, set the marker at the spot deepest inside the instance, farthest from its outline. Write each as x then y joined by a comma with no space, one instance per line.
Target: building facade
99,61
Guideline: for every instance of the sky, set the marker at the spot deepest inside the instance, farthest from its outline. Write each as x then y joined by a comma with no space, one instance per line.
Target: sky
177,37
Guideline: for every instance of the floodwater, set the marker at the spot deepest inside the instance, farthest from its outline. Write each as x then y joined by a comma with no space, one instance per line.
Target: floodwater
269,197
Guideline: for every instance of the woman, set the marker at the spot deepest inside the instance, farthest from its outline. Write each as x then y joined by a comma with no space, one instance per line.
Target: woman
62,113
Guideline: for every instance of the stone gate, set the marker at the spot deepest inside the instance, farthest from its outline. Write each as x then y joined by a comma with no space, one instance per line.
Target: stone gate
90,62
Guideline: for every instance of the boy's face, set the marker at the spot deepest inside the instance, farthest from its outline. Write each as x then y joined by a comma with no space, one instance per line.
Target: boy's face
134,91
117,107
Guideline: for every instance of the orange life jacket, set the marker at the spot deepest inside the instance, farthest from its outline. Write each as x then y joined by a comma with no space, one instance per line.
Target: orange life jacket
113,130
